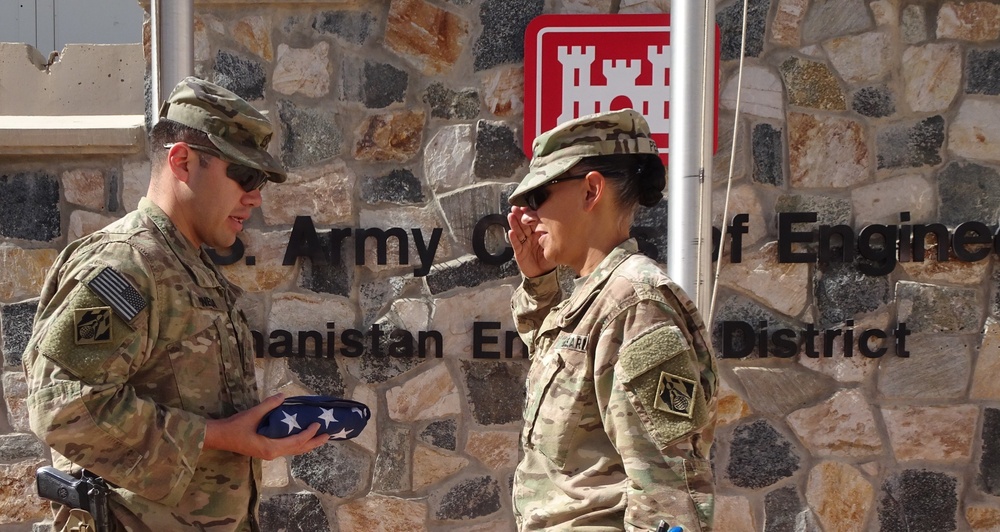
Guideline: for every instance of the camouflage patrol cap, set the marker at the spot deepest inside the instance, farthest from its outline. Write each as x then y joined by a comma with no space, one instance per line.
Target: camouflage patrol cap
559,149
234,126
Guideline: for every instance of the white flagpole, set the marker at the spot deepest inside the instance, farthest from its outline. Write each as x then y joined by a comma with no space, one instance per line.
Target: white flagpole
692,104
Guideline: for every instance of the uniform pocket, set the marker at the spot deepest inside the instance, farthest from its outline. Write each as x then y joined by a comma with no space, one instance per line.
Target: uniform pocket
554,408
197,367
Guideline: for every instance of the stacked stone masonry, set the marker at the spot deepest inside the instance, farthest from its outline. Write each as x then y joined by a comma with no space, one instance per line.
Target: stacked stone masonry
408,114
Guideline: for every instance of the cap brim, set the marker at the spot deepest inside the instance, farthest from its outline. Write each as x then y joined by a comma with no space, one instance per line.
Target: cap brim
252,157
539,177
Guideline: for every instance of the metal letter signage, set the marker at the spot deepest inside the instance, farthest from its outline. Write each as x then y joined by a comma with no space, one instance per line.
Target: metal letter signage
576,65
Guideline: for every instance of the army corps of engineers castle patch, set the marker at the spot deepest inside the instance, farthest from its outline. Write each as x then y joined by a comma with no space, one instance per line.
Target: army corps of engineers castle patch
675,395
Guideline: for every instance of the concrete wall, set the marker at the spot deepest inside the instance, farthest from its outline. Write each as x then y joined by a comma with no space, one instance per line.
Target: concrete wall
408,114
86,79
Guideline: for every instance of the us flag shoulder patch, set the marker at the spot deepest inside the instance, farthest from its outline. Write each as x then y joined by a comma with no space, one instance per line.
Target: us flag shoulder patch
675,395
92,325
118,293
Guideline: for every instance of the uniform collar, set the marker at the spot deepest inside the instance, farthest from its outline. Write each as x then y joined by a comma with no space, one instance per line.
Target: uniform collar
194,259
587,287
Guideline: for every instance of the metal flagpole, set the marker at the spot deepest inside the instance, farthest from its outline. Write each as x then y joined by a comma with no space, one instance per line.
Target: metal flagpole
692,104
172,35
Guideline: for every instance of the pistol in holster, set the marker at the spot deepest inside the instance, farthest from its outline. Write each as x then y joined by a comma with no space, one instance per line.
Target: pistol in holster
88,493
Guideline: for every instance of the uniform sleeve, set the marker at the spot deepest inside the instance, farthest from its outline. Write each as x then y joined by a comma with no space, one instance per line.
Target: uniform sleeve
531,302
659,416
89,340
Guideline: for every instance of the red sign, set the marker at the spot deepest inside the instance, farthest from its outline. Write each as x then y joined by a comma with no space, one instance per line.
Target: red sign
575,65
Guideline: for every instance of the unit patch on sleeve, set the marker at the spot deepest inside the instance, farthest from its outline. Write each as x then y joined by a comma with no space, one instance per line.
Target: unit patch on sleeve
676,395
115,290
92,325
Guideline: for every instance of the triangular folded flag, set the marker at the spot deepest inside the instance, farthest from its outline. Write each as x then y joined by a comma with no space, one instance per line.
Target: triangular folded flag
342,419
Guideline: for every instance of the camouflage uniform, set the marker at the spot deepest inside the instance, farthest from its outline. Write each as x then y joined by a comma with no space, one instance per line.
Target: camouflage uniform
128,399
620,403
620,409
139,339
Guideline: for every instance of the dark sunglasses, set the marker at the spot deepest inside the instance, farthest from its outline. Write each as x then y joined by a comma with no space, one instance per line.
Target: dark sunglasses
537,197
249,179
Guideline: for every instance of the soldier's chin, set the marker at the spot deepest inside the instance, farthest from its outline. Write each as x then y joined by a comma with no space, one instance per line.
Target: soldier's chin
222,247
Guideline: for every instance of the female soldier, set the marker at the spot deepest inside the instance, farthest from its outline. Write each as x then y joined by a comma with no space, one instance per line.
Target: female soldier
621,390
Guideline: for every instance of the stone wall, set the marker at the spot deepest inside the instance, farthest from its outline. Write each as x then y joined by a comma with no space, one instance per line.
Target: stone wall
407,113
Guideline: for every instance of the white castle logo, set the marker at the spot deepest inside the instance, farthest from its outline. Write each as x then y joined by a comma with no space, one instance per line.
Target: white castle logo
580,97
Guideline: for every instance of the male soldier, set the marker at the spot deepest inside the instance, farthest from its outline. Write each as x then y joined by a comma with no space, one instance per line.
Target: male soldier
141,363
621,390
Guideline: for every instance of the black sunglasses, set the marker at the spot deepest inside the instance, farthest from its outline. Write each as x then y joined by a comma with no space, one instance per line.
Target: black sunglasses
249,179
537,197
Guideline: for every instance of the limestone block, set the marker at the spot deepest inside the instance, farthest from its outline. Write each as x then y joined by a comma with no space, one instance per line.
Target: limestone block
302,70
856,368
431,394
22,271
424,219
861,58
843,426
787,23
254,33
826,151
293,311
325,193
983,518
394,136
84,187
503,90
777,391
985,384
969,21
975,132
731,407
15,394
19,501
937,434
840,496
886,13
881,202
135,181
428,37
733,513
261,268
931,76
785,287
743,198
448,158
761,93
455,316
430,466
368,439
275,473
83,223
938,367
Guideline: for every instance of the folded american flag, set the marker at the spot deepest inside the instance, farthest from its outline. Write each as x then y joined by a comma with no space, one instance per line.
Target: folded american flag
342,419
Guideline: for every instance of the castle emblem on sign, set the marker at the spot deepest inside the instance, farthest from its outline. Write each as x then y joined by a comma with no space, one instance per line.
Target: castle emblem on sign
580,97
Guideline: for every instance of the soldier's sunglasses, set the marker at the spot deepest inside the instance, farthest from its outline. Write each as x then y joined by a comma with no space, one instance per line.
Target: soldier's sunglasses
537,197
249,179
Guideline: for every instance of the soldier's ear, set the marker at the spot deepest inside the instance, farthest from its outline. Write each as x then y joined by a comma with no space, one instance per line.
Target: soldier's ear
180,159
595,184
